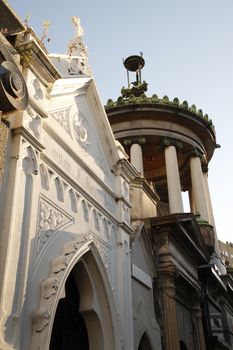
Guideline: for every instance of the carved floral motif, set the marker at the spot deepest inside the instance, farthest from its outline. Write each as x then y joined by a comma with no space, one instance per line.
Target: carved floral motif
51,219
61,115
104,251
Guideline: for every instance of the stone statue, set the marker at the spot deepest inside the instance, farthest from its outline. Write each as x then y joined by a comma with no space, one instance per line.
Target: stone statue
78,28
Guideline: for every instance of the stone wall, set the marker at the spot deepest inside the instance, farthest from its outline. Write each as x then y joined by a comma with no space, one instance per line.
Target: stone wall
4,130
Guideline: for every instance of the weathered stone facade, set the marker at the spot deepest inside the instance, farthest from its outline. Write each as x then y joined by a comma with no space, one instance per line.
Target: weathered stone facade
96,251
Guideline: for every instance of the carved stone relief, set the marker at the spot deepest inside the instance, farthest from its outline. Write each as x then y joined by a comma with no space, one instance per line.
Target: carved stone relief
80,129
13,90
87,139
50,288
54,151
104,250
61,115
51,219
78,53
38,93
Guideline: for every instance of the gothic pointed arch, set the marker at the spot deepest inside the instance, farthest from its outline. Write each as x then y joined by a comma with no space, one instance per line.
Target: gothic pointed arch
80,258
144,342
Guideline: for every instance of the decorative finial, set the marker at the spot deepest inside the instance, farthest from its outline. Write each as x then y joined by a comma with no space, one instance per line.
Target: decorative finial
77,51
138,87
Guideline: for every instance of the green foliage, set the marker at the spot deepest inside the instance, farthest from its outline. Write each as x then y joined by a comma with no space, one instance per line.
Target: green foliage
200,113
176,101
193,109
165,99
184,105
131,99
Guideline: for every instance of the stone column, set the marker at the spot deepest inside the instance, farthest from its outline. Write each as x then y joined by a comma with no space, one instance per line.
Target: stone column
198,186
199,336
210,212
191,202
207,195
173,178
136,156
167,290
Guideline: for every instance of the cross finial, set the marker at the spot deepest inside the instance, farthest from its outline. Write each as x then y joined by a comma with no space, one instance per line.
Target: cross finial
78,28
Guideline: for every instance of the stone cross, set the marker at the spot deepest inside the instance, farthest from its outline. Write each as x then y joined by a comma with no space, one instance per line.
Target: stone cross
78,28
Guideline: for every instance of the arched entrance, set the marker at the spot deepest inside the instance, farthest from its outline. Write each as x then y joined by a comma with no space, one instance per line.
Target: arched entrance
76,300
69,329
144,343
183,345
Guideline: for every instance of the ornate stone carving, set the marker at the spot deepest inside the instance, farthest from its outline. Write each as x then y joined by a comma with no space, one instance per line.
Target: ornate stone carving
61,115
72,246
52,286
51,219
78,51
13,90
41,318
49,287
59,264
104,251
38,93
80,131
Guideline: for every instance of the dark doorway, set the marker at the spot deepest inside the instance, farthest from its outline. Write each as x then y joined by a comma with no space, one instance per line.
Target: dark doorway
182,345
144,343
69,329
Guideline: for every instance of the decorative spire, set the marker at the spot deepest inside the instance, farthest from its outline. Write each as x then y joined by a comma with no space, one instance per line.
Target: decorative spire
76,46
137,88
78,51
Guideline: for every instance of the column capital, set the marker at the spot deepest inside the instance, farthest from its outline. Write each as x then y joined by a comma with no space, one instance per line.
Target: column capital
171,142
195,152
138,140
205,168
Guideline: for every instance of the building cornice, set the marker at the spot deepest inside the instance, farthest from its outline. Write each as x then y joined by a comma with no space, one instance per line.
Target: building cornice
160,104
35,56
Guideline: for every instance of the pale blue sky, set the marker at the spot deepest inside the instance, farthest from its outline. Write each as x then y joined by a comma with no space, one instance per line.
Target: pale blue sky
187,45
